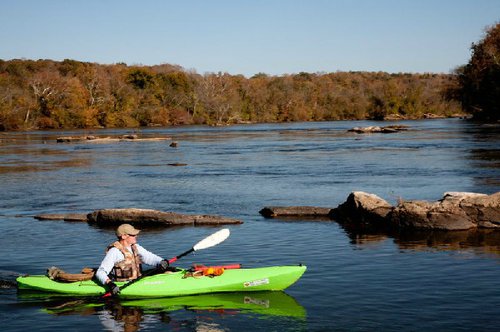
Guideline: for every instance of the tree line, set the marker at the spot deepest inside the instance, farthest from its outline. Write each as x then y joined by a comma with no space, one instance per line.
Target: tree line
46,94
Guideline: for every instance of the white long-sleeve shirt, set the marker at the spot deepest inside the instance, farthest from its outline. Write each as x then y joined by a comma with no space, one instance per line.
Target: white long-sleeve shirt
114,255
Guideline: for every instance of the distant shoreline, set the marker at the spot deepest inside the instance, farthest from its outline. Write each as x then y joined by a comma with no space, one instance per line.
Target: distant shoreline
388,119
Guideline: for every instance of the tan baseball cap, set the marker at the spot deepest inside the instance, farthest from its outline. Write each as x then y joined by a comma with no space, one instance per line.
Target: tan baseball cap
126,229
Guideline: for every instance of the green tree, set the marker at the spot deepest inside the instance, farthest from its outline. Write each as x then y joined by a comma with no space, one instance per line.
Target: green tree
175,94
140,78
479,80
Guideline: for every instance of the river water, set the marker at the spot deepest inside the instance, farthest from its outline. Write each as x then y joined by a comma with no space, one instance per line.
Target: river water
354,282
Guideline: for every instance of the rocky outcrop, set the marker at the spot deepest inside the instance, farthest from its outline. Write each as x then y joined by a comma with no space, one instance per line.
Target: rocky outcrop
361,207
455,211
377,129
433,116
294,211
482,208
70,139
153,217
428,215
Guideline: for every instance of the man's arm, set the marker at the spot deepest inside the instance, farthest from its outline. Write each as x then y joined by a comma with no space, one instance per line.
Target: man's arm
113,255
148,257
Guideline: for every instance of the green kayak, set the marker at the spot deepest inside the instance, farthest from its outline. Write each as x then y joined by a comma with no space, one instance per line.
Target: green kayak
177,283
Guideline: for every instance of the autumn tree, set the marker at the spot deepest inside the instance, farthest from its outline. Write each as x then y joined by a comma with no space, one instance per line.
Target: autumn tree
13,105
216,98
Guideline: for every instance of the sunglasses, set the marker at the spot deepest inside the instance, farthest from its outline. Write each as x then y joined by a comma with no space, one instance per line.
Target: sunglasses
132,234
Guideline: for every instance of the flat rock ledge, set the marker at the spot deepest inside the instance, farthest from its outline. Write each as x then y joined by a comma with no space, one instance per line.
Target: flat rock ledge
294,211
455,211
141,217
65,217
154,217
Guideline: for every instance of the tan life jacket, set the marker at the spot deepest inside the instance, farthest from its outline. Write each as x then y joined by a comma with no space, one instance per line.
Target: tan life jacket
130,267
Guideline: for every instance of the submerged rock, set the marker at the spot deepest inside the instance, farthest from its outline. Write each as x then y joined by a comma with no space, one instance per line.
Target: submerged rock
377,129
123,138
70,139
294,211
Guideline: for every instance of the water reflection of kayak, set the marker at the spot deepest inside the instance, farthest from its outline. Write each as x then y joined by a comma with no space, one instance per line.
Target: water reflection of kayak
176,283
267,303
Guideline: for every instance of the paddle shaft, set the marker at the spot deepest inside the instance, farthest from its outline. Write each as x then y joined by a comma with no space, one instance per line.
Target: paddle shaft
172,260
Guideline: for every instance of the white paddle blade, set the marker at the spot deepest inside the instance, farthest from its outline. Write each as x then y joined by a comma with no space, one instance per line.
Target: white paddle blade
212,240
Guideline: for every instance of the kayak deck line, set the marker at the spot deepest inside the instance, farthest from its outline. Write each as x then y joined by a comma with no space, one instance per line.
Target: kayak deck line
273,278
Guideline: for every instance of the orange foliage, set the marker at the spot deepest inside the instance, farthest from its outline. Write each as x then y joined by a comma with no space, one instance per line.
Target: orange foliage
73,94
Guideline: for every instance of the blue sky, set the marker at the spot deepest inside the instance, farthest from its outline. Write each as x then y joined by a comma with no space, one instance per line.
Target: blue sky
275,37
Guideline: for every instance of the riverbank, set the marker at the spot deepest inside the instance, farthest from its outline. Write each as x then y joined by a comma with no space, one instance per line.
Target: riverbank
388,118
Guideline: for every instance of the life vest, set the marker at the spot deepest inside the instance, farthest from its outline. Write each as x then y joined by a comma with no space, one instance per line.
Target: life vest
128,268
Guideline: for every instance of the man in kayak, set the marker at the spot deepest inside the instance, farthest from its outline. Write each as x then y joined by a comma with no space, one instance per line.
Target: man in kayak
124,257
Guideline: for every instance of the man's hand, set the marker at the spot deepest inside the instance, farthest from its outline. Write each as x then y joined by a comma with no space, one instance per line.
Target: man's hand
164,264
113,288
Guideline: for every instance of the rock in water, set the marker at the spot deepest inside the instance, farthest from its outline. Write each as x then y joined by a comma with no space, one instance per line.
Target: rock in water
153,217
